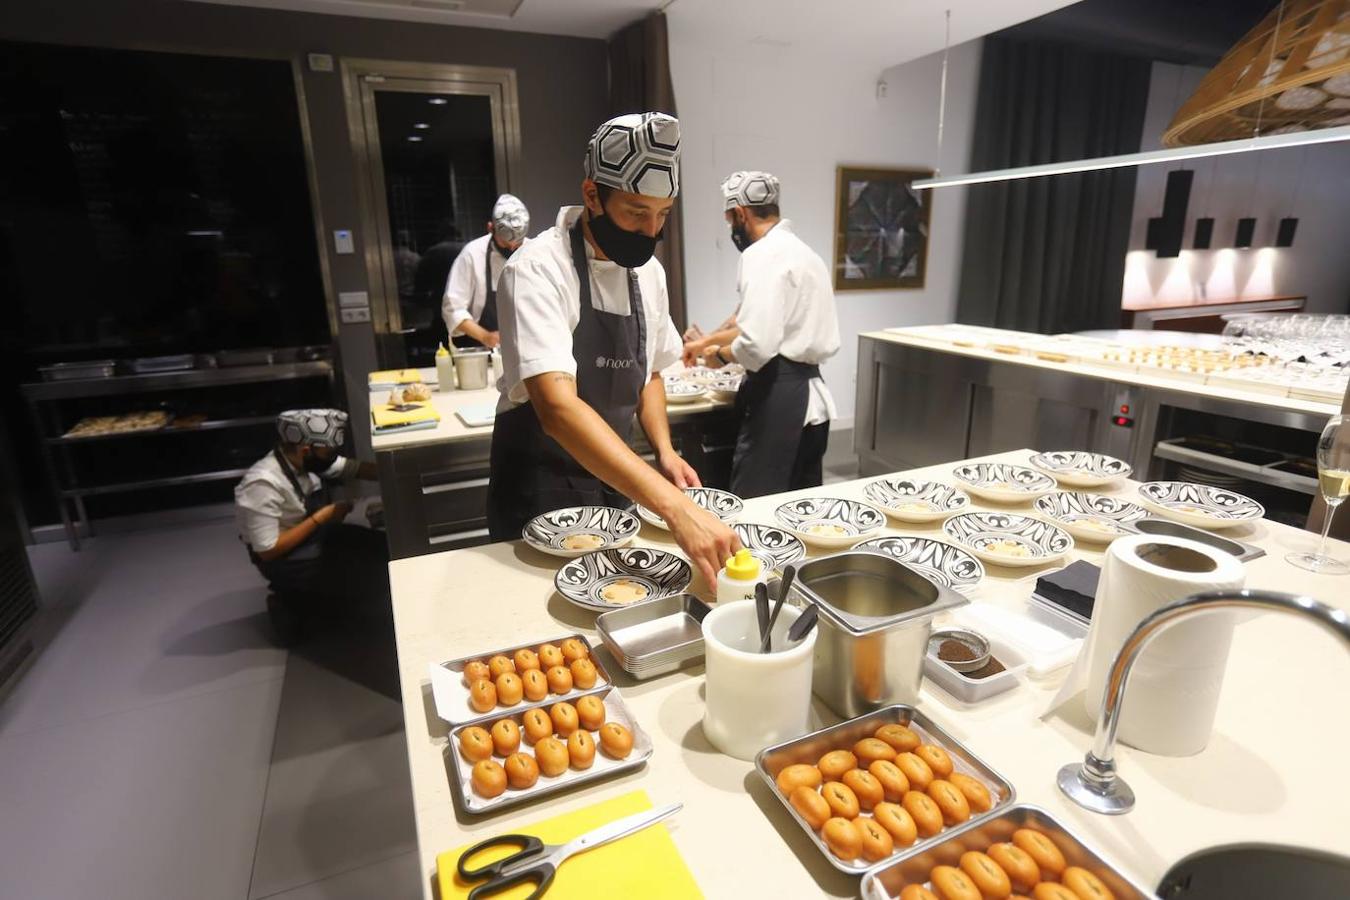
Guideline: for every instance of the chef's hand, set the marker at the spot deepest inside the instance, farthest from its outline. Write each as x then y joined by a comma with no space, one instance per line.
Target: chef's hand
680,473
693,349
333,512
692,333
704,538
492,339
710,357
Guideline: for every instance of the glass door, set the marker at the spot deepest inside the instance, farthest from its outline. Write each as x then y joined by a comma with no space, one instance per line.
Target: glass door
435,146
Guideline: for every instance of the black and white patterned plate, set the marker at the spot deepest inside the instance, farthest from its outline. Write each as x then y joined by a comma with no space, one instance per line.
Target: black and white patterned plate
723,504
680,391
1091,517
551,531
830,522
726,387
1003,483
1078,468
1007,539
937,561
773,547
646,572
1200,504
916,501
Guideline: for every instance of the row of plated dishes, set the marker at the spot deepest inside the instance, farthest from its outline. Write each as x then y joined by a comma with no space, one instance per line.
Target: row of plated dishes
603,574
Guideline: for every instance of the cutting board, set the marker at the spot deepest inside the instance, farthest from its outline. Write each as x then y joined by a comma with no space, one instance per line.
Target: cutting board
478,414
644,865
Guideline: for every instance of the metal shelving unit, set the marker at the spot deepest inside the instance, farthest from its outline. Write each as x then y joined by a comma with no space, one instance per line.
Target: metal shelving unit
1265,474
43,398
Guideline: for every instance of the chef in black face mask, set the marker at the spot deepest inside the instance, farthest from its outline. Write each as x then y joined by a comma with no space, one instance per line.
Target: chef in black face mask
586,331
470,302
293,528
784,328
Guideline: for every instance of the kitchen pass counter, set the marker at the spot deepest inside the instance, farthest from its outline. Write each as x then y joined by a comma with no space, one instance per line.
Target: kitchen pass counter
1269,774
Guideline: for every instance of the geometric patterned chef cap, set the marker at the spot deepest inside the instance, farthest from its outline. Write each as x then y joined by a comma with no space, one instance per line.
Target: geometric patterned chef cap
750,189
316,427
510,219
638,153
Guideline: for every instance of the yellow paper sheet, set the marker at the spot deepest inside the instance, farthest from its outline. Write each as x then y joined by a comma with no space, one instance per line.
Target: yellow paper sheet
395,376
387,417
645,864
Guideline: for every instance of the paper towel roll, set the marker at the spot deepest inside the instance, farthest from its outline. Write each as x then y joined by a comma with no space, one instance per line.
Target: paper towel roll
1174,686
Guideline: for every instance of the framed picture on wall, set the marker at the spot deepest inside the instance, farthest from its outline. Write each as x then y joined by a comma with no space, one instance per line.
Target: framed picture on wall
881,229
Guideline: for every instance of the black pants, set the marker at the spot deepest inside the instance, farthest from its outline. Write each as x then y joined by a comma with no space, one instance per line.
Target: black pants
349,578
807,465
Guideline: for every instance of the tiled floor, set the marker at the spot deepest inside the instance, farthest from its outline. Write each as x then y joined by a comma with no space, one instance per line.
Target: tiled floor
162,747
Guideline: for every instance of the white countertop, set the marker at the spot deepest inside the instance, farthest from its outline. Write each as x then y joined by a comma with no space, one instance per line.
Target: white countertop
451,428
1271,772
940,338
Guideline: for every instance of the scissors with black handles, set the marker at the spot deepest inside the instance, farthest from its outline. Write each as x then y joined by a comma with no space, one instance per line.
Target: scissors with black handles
536,862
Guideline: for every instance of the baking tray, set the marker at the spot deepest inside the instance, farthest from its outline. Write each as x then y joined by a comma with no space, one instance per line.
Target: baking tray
252,356
149,365
811,747
655,637
885,880
604,767
452,694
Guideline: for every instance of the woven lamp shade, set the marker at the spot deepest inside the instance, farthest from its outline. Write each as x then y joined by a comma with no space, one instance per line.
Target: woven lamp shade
1291,73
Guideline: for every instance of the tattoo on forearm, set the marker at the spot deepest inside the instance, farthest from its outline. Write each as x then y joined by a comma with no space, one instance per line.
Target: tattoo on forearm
562,376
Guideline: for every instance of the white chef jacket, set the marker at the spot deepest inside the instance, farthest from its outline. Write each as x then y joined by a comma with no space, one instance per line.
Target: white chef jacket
265,502
787,308
539,305
465,290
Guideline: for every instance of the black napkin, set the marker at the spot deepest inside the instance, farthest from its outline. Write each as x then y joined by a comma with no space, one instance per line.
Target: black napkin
1073,588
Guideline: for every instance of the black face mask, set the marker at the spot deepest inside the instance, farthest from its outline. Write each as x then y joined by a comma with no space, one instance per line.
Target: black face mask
739,236
504,251
629,249
313,464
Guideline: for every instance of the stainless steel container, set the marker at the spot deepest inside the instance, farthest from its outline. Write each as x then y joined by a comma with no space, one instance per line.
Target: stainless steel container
471,369
1155,525
655,637
875,617
886,880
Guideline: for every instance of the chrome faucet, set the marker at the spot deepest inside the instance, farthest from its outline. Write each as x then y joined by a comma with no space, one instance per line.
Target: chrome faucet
1094,784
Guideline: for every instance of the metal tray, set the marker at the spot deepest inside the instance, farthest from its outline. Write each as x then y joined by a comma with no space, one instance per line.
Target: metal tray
604,767
72,371
147,365
811,747
885,880
253,356
1157,525
655,637
452,694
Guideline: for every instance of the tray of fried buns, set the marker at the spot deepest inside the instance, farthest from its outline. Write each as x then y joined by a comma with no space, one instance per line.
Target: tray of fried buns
881,787
1020,851
522,755
566,664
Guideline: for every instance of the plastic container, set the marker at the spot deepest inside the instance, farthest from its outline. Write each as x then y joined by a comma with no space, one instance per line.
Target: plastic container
973,690
445,370
737,579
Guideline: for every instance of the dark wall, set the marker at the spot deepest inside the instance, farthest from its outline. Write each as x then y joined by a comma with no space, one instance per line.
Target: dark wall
561,80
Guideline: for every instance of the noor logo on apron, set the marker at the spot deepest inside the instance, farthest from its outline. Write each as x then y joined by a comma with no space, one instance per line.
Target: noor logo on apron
613,362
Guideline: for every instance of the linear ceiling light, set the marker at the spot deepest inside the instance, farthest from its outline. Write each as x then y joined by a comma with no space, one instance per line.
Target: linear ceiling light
1265,142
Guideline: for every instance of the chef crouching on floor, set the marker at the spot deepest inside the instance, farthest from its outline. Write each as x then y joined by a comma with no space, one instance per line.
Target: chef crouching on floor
293,528
586,331
470,303
784,328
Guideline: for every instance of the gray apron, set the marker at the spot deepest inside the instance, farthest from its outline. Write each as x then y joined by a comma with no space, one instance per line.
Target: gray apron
771,408
531,473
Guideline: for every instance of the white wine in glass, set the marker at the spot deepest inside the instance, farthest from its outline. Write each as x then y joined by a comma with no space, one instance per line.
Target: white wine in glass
1333,476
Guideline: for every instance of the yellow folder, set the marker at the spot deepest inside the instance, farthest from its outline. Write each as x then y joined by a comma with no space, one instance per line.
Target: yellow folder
385,416
395,376
645,864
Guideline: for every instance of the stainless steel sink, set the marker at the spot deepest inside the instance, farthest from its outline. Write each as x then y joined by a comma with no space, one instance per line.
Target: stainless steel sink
1257,872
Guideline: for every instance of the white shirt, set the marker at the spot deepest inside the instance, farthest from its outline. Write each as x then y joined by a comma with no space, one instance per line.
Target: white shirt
787,309
539,305
465,289
266,503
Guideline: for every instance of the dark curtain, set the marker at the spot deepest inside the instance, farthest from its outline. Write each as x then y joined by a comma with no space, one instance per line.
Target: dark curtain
1048,254
639,81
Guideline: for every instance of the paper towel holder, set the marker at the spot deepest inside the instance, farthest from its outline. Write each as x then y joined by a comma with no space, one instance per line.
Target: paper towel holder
1094,784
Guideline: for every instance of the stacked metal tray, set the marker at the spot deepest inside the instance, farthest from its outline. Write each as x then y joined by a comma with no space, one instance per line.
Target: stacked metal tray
655,637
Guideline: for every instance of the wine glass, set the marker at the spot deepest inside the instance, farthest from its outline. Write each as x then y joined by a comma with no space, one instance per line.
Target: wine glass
1333,474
